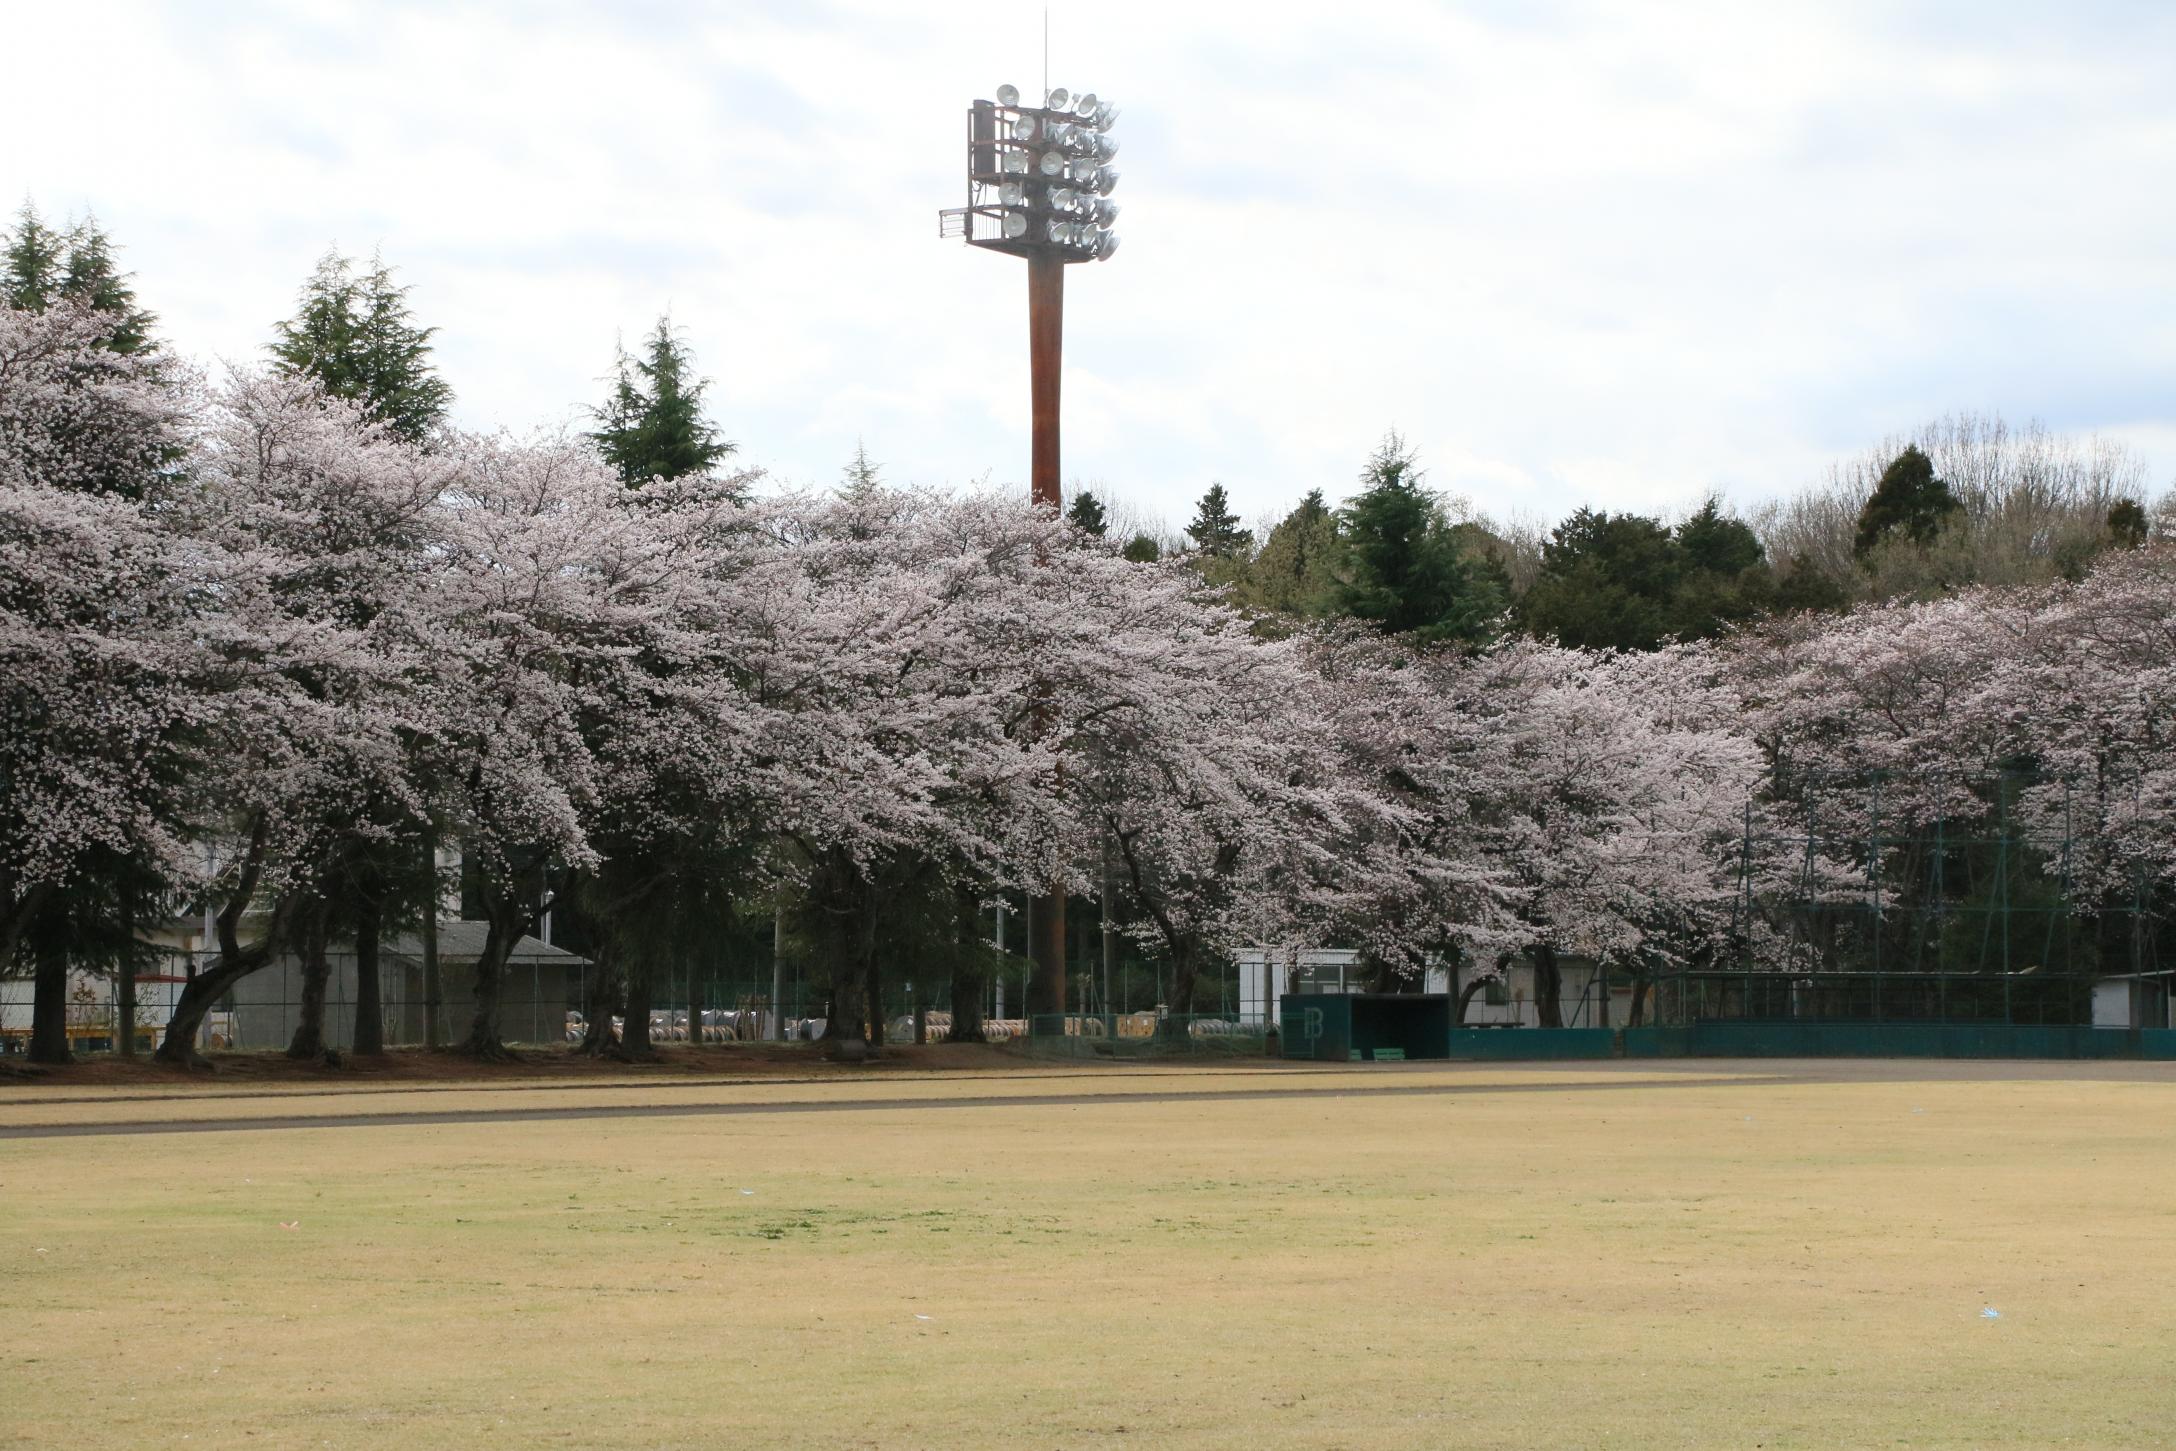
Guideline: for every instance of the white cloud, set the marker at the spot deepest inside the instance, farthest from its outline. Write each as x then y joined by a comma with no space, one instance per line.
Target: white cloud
1576,253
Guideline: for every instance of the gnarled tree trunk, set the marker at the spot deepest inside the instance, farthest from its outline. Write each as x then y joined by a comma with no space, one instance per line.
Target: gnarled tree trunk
1548,986
507,923
235,962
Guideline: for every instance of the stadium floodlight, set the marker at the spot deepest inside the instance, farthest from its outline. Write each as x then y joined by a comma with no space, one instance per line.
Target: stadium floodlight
1038,188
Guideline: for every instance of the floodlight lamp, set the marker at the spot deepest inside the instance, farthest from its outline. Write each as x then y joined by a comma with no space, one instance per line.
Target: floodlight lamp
1023,130
1060,99
1107,244
1013,194
1106,147
1106,116
1106,180
1059,133
1106,212
1053,163
1056,230
1008,95
1084,105
1016,226
1014,162
1062,198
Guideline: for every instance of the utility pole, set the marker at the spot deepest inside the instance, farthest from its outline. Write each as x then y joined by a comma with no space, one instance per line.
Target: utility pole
1038,187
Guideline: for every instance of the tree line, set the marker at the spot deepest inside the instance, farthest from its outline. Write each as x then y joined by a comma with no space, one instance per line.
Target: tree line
278,639
1967,501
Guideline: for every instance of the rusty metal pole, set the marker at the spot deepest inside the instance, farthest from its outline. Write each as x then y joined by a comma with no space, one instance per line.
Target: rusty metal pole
1046,350
1046,353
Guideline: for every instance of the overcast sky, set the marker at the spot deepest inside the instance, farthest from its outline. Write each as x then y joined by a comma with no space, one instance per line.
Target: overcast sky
1611,254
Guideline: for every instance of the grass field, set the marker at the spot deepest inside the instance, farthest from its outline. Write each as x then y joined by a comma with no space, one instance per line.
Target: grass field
1774,1255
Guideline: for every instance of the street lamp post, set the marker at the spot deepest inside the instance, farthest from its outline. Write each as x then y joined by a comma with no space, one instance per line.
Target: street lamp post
1039,183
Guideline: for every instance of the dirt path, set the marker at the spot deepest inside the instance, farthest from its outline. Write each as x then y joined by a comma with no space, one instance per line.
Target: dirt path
427,1117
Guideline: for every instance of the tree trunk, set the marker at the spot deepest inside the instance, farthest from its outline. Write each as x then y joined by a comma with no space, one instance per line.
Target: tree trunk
1181,1002
1465,997
369,990
778,971
966,981
873,977
124,995
49,1008
1548,986
309,1039
500,940
635,1023
599,1007
204,989
433,1008
695,1008
1638,1016
842,1017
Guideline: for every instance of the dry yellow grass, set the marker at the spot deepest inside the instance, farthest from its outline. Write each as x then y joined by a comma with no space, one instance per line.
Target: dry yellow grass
1656,1261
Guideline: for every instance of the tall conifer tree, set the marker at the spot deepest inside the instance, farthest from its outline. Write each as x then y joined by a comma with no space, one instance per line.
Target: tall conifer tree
653,425
358,338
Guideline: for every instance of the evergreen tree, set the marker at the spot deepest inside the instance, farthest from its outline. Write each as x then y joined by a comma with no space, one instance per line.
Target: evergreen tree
1605,583
1142,549
653,425
1626,582
42,266
36,258
359,340
1086,514
2127,524
1296,572
1407,569
93,279
1215,530
861,479
1908,502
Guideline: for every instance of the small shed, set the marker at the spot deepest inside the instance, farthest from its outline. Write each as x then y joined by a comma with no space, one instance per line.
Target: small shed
1365,1027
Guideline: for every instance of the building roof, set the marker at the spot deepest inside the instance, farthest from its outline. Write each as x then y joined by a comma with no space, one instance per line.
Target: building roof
464,942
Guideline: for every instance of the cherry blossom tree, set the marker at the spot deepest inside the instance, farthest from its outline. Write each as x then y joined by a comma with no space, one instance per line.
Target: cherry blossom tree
313,530
94,651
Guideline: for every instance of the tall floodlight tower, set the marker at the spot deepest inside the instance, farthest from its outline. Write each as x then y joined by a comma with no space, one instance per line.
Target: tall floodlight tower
1039,183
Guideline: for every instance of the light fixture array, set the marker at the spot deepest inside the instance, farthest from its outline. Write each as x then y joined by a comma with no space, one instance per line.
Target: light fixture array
1039,178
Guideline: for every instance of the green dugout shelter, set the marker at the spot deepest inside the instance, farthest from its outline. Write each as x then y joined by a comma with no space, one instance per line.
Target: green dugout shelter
1362,1027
